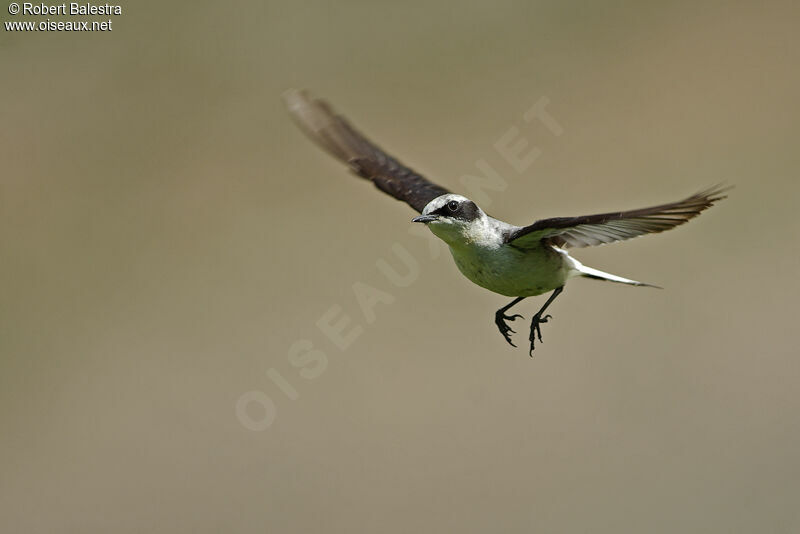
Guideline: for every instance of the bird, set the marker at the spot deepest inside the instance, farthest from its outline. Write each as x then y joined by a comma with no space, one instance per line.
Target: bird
513,261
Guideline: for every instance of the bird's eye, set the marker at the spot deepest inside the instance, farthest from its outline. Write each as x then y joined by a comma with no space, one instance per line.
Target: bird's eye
452,205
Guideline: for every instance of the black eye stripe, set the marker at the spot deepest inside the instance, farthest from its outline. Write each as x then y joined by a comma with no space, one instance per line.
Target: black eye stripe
465,211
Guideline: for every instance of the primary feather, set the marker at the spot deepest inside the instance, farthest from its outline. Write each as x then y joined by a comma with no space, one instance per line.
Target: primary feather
589,230
336,136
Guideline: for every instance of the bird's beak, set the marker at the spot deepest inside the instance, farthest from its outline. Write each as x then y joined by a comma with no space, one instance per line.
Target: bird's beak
425,218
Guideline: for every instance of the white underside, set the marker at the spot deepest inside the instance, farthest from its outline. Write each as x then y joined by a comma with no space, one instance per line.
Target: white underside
524,273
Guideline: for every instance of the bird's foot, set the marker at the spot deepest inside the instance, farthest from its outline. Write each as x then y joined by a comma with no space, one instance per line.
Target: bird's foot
536,330
500,320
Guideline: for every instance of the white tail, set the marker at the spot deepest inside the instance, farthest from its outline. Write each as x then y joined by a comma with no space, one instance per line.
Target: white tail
581,270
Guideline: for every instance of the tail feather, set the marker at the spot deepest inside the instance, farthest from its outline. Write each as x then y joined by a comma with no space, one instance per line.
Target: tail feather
588,272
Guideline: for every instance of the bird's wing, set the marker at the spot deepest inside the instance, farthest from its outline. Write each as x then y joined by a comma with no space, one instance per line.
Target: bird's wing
604,228
336,136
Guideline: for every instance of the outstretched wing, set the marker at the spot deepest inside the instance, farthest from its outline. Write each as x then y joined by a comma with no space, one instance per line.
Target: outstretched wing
609,227
335,135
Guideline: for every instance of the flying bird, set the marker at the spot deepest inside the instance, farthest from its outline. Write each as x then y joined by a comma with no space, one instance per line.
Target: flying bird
514,261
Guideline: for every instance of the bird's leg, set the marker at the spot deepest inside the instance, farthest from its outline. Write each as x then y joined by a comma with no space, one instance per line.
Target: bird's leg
536,330
500,319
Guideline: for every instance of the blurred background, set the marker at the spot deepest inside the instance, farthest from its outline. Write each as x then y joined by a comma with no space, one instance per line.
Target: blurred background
168,235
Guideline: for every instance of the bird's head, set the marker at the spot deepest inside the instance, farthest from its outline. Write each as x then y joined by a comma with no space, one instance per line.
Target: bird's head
452,218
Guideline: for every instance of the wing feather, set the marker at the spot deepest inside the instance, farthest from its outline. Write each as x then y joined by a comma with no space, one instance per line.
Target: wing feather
336,136
590,230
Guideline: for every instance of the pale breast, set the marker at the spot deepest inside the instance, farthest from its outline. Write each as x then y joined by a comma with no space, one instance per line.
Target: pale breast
511,271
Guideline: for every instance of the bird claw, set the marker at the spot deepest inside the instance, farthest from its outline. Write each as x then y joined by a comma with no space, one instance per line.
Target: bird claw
536,331
500,320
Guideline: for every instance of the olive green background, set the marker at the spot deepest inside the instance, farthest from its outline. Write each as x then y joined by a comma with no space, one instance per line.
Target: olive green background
167,235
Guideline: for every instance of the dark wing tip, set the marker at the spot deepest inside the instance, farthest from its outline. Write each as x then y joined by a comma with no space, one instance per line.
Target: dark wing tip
320,124
699,202
714,193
